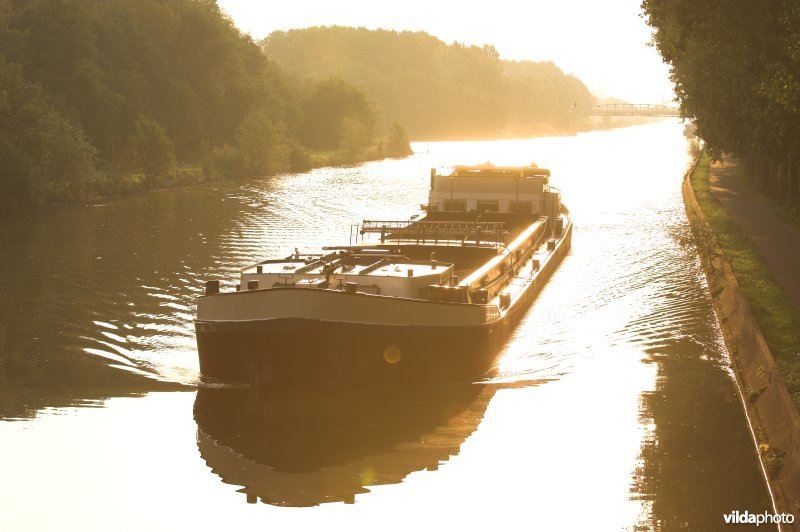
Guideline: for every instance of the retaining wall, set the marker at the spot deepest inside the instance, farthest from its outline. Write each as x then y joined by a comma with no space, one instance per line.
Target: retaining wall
769,406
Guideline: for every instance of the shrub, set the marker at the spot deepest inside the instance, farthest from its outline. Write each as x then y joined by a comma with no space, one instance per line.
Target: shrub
223,162
155,149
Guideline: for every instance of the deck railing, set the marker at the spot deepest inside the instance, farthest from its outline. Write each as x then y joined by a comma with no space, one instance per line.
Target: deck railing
439,233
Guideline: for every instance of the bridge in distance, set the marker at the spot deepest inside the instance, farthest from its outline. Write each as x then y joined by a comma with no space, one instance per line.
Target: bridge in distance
633,109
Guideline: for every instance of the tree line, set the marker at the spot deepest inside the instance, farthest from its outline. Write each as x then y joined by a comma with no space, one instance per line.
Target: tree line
736,69
434,88
101,97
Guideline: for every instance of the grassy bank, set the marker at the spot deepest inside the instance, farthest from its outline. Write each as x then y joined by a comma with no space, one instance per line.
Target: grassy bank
110,184
319,158
113,184
777,318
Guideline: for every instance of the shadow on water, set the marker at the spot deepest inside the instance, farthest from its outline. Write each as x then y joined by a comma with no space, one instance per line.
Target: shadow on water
308,447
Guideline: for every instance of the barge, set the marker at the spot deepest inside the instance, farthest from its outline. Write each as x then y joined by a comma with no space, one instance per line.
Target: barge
433,298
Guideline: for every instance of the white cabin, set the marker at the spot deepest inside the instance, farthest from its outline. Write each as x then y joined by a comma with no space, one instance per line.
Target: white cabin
496,189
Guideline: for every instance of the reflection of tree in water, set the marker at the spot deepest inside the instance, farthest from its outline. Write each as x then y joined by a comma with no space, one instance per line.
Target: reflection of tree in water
687,470
307,447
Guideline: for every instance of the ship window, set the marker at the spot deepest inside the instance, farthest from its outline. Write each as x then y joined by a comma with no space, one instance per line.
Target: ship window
521,207
455,205
487,205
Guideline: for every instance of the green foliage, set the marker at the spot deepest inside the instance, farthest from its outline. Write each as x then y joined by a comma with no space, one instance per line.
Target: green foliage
262,148
337,116
89,70
772,459
155,149
397,144
181,62
263,144
223,162
209,92
736,69
431,87
82,74
541,93
695,149
300,158
44,156
353,136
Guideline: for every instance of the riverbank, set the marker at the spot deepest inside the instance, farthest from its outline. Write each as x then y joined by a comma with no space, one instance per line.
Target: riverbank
115,184
748,301
109,184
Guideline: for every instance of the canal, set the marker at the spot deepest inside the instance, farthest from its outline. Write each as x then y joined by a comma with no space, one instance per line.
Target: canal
613,406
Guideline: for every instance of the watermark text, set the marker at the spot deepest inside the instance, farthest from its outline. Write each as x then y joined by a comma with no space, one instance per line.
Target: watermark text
746,518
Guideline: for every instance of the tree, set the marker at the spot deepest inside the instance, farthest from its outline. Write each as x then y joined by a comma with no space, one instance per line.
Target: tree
734,64
43,156
353,137
397,144
263,144
146,83
332,109
156,150
430,87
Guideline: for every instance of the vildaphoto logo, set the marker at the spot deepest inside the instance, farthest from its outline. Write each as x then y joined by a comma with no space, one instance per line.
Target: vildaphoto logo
746,518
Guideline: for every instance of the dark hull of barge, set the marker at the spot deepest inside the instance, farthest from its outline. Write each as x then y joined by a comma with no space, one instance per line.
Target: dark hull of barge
292,351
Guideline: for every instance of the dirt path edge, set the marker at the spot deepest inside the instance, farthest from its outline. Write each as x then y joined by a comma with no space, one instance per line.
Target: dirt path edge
768,405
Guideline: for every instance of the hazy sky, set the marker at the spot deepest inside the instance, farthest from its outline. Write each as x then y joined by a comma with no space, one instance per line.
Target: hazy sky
602,43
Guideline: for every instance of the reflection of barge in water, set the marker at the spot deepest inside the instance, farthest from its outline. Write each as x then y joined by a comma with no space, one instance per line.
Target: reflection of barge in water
304,447
430,299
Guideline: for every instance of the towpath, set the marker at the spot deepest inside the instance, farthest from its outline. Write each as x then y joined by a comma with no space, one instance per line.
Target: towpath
775,239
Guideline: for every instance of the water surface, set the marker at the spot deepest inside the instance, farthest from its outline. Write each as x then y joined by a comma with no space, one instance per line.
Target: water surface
613,407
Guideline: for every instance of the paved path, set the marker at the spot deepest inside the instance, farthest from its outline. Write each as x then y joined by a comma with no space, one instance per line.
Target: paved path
776,240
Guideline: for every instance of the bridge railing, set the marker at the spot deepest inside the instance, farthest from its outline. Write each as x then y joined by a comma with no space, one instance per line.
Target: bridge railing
633,109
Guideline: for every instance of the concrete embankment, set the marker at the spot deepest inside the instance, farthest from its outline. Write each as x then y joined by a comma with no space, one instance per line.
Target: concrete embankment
770,409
